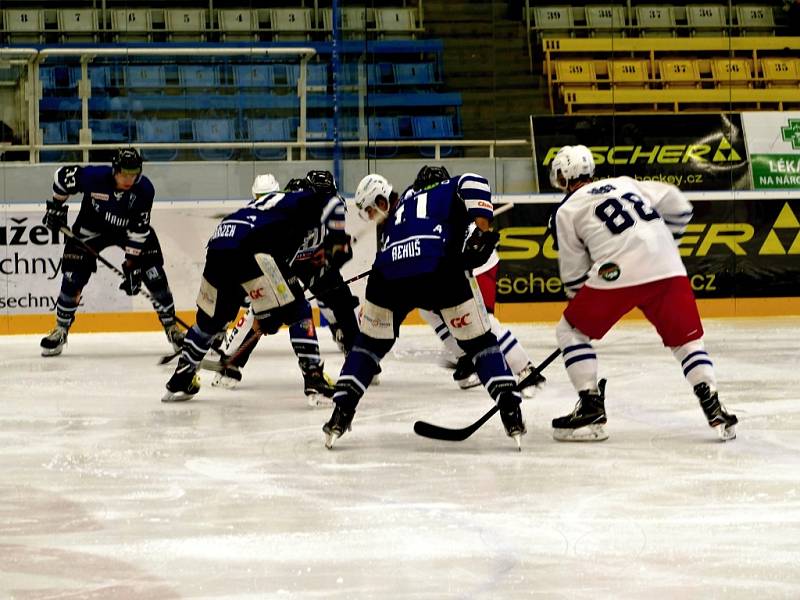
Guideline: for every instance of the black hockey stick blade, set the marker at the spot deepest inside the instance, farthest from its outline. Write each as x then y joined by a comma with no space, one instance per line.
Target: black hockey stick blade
168,358
435,432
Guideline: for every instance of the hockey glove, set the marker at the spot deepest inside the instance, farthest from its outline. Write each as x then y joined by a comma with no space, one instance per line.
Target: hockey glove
131,278
55,217
270,322
337,250
479,247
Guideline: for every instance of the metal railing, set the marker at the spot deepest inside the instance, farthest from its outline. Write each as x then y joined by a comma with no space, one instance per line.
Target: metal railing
32,59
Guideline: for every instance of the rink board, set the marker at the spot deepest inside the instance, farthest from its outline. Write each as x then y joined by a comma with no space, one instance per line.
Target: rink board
742,252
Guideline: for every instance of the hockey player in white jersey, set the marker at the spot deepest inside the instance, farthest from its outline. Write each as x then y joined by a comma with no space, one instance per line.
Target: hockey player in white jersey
616,252
528,381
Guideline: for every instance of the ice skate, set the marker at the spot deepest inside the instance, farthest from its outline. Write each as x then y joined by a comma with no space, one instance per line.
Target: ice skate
317,385
718,418
183,384
587,422
465,375
530,381
511,415
53,343
227,377
337,425
175,336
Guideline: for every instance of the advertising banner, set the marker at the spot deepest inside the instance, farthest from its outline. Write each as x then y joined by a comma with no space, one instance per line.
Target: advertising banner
773,142
733,248
694,152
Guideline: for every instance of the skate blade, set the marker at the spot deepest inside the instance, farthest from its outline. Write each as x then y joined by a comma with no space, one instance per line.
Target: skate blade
221,381
330,439
52,352
468,383
726,434
517,437
315,400
590,433
170,397
529,392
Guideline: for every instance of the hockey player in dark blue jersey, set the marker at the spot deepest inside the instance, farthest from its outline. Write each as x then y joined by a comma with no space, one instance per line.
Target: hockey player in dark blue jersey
115,211
268,251
423,261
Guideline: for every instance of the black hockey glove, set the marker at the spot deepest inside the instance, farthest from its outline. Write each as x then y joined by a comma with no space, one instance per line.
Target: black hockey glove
270,322
479,247
338,250
55,216
132,278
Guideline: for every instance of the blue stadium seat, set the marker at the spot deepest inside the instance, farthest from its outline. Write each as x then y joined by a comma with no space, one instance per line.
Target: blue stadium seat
316,75
158,131
414,74
383,128
109,130
214,130
380,74
433,128
53,133
198,76
253,76
100,76
269,130
145,77
58,78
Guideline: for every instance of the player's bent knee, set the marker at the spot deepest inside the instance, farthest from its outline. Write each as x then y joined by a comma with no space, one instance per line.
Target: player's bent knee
567,335
466,321
377,322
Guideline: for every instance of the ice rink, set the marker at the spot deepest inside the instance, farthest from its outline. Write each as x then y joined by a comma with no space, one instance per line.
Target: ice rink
106,493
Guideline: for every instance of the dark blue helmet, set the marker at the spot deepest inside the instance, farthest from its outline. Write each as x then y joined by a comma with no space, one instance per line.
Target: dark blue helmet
322,182
430,176
127,159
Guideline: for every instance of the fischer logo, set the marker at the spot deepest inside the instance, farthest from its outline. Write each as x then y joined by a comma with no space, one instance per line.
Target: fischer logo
778,242
666,154
460,322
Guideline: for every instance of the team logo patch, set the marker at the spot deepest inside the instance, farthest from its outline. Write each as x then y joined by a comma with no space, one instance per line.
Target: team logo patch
609,271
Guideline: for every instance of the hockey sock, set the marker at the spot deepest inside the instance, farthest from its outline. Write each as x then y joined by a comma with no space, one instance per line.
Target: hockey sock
155,280
360,366
515,355
579,356
696,364
303,337
434,319
195,346
66,306
490,365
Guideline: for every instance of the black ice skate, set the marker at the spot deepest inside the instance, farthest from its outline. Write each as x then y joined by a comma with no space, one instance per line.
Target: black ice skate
718,417
53,343
587,422
183,384
337,425
317,386
465,375
511,415
530,381
175,336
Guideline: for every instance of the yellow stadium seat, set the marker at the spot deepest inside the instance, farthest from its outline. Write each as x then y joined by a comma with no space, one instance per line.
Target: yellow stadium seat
629,73
679,72
732,72
780,72
707,19
575,72
656,20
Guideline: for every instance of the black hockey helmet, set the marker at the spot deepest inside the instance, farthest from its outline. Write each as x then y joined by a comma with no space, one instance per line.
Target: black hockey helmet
295,185
430,176
127,159
322,182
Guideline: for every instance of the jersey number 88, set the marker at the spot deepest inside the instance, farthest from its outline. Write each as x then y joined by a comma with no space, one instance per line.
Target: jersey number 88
613,214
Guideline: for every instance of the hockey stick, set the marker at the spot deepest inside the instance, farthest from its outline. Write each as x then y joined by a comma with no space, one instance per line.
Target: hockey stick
68,232
226,362
436,432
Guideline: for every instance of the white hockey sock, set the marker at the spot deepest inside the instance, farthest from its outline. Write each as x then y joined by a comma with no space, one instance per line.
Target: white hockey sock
516,356
579,356
696,364
434,320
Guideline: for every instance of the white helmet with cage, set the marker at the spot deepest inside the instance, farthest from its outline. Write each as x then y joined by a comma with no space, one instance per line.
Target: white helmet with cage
569,164
369,189
264,184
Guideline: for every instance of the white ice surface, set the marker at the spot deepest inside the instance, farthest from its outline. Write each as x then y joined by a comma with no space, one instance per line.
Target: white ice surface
107,493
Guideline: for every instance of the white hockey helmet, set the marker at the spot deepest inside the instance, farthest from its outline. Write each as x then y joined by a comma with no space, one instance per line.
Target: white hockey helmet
573,163
264,184
369,189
